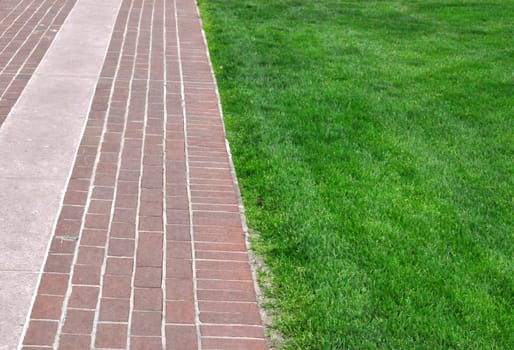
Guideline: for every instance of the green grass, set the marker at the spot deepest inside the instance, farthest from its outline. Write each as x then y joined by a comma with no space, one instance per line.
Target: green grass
374,144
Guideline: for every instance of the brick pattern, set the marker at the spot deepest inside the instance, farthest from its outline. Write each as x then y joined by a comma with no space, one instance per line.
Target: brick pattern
27,28
149,251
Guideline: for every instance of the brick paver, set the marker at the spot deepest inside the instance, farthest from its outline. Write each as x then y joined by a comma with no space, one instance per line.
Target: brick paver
149,251
27,28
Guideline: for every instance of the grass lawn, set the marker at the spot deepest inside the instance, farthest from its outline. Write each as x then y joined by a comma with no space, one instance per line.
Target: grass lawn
374,144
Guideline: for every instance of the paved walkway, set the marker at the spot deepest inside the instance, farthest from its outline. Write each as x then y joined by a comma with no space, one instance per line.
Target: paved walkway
120,222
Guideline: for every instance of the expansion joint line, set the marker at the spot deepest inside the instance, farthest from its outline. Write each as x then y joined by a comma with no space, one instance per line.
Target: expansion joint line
188,179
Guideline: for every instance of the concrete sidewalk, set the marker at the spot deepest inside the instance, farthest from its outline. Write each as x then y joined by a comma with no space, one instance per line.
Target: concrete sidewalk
120,221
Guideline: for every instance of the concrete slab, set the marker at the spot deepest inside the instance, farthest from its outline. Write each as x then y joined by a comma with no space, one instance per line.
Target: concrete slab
15,294
23,235
40,136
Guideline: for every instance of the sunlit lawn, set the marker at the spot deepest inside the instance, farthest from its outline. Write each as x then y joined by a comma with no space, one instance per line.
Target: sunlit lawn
374,144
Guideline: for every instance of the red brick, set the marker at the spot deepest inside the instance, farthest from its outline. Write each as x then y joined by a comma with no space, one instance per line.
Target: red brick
125,215
40,333
63,246
181,337
212,182
225,274
115,286
86,274
69,212
232,331
90,256
100,207
47,307
145,343
128,187
107,180
219,230
133,143
111,336
178,232
198,199
119,266
151,208
123,230
152,160
149,251
213,255
179,250
222,265
78,321
110,147
177,217
58,263
230,318
83,297
67,227
130,164
179,289
133,153
93,238
244,286
177,190
148,299
129,175
230,208
148,277
226,295
53,284
154,140
179,268
100,222
105,168
115,310
150,223
149,195
218,195
126,201
74,342
177,202
180,311
217,219
77,185
75,197
146,323
121,247
231,312
228,307
102,192
174,177
81,172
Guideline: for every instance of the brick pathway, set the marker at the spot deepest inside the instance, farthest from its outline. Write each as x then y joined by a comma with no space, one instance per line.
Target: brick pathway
27,28
148,251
